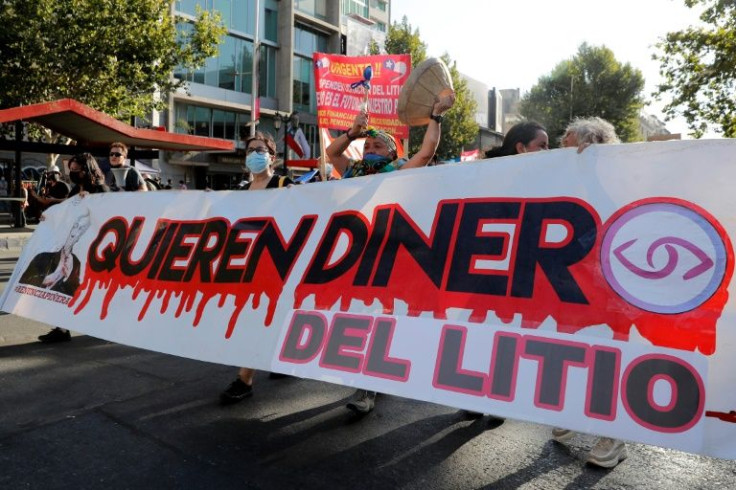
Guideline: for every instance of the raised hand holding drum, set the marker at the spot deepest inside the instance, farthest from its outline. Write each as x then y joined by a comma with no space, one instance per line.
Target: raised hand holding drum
428,82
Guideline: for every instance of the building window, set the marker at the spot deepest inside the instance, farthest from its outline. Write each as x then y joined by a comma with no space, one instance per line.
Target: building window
303,85
200,120
225,8
231,69
237,15
315,8
379,26
244,17
213,123
271,25
188,6
245,67
267,72
223,124
378,5
359,7
227,70
308,42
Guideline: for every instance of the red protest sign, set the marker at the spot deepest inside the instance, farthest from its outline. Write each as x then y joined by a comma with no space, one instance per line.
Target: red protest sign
343,82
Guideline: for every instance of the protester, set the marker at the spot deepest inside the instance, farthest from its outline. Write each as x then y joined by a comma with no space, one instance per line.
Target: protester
380,156
260,151
168,185
524,137
53,191
182,185
581,133
85,174
122,176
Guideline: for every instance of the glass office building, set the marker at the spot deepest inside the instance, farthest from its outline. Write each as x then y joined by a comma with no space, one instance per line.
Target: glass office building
218,100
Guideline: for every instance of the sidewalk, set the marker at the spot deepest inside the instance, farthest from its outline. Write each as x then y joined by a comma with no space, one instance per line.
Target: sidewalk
11,238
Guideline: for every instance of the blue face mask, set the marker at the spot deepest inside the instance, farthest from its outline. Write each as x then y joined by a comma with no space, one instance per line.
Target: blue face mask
377,163
257,163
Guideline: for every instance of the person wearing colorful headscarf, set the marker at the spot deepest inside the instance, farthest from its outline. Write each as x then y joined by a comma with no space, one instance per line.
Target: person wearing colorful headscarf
380,155
379,150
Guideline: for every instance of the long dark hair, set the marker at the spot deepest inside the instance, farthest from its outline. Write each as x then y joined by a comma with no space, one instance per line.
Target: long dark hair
523,133
94,175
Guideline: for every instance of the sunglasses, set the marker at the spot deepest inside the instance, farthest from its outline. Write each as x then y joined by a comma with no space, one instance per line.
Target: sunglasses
115,154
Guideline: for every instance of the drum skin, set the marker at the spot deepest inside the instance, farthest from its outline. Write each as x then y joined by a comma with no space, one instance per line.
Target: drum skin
428,81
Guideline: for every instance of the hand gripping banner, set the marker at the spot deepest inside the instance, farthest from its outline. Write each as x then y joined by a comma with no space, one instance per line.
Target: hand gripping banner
588,291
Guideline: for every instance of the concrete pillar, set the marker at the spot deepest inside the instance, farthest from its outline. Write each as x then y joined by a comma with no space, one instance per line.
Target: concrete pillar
285,55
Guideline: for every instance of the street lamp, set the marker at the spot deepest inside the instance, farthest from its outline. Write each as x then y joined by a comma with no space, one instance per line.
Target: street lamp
278,121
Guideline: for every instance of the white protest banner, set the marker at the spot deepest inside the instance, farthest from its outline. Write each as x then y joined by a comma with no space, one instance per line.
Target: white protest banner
589,291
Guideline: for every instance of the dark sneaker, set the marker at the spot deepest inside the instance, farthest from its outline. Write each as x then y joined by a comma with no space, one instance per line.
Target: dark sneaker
56,335
363,402
237,391
607,453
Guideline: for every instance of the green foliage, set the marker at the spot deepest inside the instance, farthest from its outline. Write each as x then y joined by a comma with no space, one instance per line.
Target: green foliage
698,66
592,83
458,127
114,55
402,39
374,48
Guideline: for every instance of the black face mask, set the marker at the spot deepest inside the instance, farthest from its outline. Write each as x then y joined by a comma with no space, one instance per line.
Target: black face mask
76,177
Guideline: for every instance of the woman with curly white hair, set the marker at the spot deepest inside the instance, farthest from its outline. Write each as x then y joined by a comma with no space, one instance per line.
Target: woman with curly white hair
585,131
581,133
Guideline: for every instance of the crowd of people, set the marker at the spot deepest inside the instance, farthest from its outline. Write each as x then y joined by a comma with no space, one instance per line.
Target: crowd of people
379,156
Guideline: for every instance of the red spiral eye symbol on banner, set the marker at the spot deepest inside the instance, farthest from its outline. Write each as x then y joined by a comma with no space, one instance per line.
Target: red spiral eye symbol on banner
663,257
672,261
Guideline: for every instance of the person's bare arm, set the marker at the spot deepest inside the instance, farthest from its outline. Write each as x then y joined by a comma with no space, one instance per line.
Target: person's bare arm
335,152
44,201
431,135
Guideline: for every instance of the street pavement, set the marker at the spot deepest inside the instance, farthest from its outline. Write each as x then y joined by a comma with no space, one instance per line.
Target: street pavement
91,414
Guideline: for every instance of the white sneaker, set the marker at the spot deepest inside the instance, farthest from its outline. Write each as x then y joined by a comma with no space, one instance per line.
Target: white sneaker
607,453
362,402
562,435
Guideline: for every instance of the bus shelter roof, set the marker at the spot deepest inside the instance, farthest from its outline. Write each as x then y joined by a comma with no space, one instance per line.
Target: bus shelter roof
90,127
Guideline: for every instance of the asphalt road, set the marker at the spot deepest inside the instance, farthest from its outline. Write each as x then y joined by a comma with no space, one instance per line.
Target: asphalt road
93,414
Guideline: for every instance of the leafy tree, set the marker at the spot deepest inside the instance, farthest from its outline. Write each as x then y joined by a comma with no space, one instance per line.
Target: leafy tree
592,83
374,47
459,127
402,39
117,56
698,66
